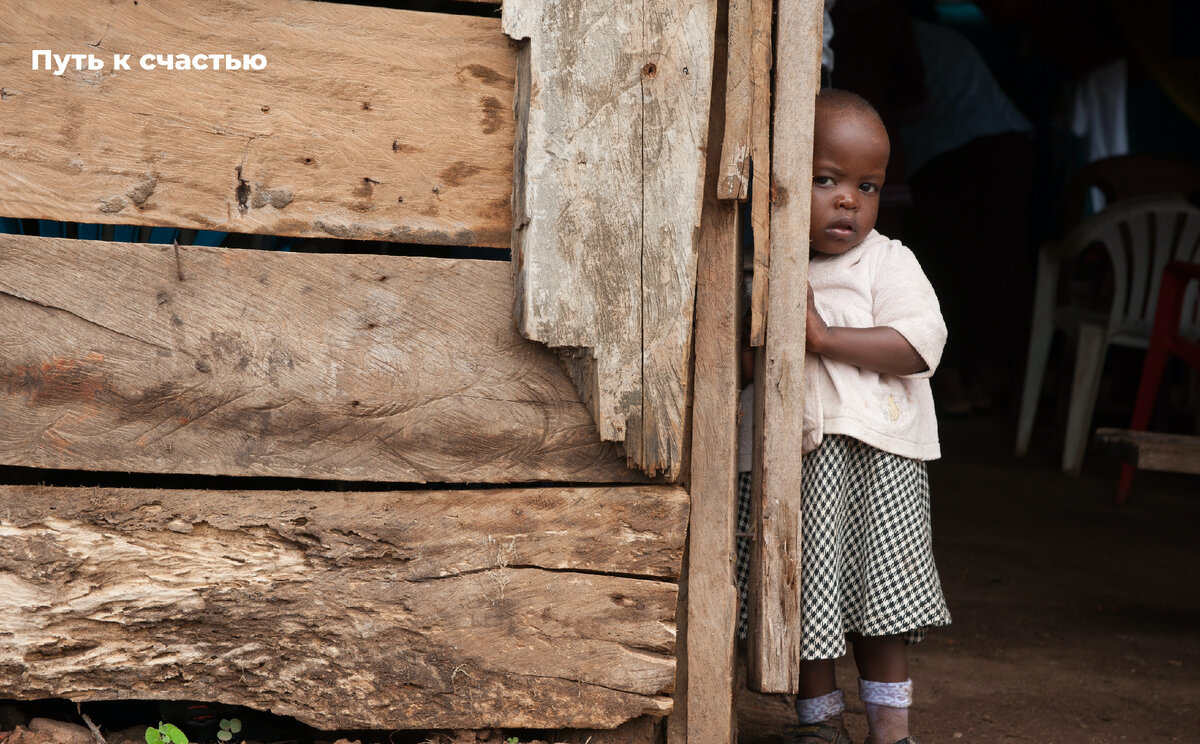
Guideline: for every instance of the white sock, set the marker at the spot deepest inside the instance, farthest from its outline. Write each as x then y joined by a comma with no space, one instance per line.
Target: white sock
823,708
887,706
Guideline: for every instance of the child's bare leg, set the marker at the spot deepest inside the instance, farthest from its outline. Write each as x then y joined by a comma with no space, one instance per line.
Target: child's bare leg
884,686
817,678
880,658
820,706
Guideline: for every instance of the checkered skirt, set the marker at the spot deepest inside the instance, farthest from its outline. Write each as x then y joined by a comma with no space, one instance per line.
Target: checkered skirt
867,561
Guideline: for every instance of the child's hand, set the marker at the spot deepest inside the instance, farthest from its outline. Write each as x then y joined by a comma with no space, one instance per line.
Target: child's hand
815,328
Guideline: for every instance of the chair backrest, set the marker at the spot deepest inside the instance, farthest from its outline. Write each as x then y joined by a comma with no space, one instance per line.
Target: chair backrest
1123,177
1140,235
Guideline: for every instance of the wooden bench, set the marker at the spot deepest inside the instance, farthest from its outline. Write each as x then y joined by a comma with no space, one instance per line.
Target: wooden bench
1147,450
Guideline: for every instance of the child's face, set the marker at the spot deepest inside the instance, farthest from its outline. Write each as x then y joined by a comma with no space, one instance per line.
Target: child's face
850,155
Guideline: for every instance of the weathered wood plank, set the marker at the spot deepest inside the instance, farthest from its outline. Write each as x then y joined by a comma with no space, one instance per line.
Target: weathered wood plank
734,180
417,609
677,723
761,57
611,107
644,730
366,123
356,367
1149,450
775,637
712,593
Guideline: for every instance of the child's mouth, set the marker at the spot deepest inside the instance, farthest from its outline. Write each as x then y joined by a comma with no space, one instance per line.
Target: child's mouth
842,229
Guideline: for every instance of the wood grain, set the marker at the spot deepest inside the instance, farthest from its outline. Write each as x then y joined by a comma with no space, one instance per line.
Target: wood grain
607,180
774,656
547,607
761,59
712,594
1151,450
734,177
367,123
354,367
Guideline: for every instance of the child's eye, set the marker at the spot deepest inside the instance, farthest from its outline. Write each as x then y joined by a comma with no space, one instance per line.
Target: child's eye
868,188
822,180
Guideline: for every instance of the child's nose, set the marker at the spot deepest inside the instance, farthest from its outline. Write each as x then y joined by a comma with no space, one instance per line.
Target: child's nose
848,200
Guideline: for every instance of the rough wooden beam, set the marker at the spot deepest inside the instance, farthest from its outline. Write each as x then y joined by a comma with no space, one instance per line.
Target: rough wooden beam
762,19
734,166
644,730
611,107
133,357
677,723
712,592
1150,450
539,608
366,123
775,636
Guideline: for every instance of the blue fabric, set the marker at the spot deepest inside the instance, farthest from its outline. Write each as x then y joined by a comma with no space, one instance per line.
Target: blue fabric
209,238
51,229
88,232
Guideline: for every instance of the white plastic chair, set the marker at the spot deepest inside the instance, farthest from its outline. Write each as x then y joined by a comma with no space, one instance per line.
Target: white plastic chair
1140,235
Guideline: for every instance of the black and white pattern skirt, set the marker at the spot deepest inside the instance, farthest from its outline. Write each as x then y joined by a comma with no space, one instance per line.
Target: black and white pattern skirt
866,555
867,560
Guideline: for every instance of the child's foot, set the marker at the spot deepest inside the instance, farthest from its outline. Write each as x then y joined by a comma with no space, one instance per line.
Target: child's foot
814,733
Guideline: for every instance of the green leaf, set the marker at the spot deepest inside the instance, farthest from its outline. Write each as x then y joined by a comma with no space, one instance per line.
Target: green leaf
235,725
224,735
174,734
513,740
152,736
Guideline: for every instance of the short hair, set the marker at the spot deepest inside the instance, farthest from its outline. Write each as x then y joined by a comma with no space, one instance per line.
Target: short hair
842,102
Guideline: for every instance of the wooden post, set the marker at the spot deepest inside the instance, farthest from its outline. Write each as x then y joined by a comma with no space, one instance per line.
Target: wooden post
762,12
734,178
712,594
775,631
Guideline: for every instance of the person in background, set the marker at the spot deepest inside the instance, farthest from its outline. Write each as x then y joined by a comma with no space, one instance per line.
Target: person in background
969,165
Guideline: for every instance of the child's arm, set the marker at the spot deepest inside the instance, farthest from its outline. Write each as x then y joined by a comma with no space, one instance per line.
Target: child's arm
880,349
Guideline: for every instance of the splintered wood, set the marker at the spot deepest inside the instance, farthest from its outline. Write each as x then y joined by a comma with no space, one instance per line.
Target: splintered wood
366,123
612,111
134,357
532,608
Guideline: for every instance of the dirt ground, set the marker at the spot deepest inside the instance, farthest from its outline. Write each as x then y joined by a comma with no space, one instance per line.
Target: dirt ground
1076,621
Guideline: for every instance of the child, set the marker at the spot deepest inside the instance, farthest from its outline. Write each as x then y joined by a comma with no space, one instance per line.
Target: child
874,336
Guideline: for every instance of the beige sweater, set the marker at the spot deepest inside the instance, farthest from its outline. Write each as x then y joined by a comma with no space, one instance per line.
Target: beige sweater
876,283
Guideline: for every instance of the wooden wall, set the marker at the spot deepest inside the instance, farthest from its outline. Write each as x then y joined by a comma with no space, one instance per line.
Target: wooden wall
150,358
413,609
533,584
612,112
366,123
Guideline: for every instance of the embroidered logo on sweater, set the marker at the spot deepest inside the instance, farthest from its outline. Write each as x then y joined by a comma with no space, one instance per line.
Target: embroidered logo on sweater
893,410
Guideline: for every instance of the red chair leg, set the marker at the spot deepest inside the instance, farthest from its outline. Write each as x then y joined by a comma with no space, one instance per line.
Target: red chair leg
1127,471
1167,313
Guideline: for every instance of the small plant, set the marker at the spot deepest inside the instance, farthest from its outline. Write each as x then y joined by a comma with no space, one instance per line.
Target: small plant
513,740
229,727
166,733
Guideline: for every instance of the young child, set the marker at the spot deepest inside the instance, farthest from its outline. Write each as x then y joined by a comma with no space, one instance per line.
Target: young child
874,337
